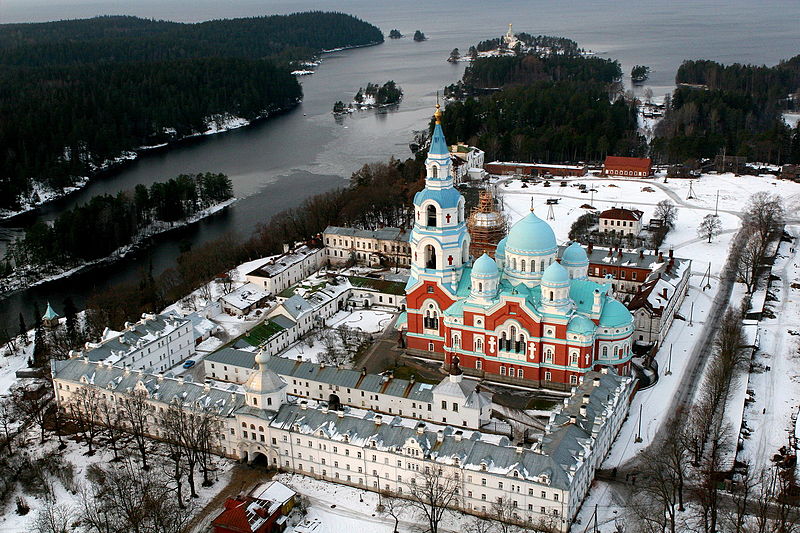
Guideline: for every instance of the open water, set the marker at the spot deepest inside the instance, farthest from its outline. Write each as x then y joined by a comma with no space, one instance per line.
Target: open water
278,163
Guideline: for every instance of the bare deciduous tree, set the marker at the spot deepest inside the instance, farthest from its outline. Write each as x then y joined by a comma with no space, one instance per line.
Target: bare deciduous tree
709,227
54,518
749,262
127,499
432,496
394,508
84,409
134,412
666,212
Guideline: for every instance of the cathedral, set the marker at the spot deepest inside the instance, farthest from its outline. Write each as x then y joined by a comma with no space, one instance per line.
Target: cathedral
527,314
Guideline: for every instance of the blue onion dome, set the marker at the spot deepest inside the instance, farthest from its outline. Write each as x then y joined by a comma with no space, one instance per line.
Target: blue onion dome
485,267
580,325
615,314
531,235
501,248
575,255
555,274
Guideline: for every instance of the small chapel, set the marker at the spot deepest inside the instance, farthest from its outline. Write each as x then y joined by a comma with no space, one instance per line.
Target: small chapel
528,314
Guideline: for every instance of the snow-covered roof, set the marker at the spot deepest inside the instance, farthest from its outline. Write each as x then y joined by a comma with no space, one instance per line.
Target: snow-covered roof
275,265
163,389
245,296
383,234
135,337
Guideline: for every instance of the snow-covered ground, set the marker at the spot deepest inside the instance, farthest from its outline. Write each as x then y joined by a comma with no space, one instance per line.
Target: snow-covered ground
369,321
771,417
780,387
338,508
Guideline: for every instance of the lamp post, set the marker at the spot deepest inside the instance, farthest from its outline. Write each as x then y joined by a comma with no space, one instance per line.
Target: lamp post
639,432
669,362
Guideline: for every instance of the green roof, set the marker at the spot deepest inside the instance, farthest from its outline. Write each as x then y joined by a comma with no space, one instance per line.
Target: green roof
262,333
380,285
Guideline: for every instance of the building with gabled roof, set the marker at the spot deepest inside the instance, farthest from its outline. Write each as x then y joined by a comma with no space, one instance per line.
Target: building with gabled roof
627,167
378,451
384,246
622,221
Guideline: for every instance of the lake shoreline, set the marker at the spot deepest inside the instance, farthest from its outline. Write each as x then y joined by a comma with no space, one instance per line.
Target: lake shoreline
142,243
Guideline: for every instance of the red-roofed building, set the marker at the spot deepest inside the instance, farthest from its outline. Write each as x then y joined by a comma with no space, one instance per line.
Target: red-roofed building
627,167
623,221
264,511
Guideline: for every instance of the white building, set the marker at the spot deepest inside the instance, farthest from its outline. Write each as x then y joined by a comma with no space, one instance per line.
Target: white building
281,272
387,246
621,221
467,162
455,401
243,300
657,301
155,343
546,482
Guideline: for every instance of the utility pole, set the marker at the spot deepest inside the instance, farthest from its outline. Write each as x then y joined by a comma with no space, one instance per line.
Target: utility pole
716,206
595,518
691,314
639,433
669,362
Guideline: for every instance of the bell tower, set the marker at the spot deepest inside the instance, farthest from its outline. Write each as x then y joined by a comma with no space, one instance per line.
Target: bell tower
439,240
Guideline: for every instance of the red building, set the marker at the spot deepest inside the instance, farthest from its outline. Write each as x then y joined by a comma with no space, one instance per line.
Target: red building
627,167
263,511
527,314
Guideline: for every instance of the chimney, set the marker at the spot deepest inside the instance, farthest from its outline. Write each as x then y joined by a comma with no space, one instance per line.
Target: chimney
573,419
660,257
206,387
610,252
181,380
519,448
378,420
321,366
303,405
591,248
656,252
583,410
664,293
670,253
127,370
458,435
619,254
363,371
324,409
604,370
420,429
439,436
340,413
85,360
299,359
596,382
585,399
160,377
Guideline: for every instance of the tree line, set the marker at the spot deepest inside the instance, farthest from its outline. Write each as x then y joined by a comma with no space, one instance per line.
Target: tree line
116,221
733,109
547,121
75,95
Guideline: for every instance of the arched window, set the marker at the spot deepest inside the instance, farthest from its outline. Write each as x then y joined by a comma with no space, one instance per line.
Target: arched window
573,380
511,372
523,266
548,356
430,256
456,341
478,345
431,210
480,286
616,351
478,364
503,341
541,268
551,296
605,351
513,263
434,171
520,374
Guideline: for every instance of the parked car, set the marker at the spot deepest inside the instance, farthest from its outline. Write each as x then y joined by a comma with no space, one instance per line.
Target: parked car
189,363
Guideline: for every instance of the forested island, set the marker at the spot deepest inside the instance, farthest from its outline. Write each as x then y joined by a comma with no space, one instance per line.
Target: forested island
419,36
78,95
552,106
732,109
372,96
395,34
107,226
